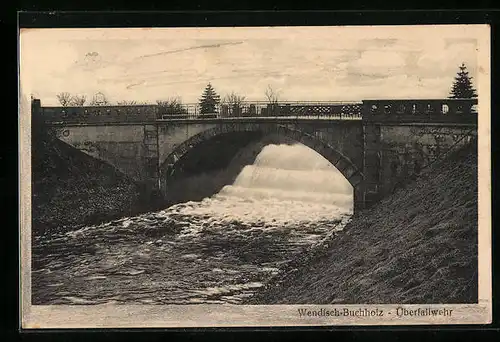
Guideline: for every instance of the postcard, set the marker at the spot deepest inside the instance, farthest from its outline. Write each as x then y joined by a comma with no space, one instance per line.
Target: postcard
255,176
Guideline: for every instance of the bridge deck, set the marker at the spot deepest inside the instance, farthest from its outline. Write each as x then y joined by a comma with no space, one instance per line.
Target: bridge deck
265,119
444,111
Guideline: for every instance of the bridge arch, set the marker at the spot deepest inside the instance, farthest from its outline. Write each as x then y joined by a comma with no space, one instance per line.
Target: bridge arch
348,169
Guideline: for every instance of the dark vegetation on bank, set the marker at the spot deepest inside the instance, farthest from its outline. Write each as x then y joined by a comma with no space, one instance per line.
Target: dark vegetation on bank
418,245
71,189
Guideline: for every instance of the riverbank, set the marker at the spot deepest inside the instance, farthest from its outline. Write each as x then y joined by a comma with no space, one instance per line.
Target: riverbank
71,189
419,245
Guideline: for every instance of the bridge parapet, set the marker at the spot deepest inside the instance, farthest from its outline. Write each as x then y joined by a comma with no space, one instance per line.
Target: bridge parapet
150,113
313,109
405,110
266,109
421,110
100,114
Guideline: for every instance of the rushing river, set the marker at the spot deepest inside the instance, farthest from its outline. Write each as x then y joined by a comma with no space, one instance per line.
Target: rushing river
219,250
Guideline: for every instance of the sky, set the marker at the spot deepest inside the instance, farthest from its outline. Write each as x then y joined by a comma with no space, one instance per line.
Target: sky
300,63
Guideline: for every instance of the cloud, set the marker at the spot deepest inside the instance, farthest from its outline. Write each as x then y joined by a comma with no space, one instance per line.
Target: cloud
378,60
371,67
321,67
460,40
445,61
377,43
208,46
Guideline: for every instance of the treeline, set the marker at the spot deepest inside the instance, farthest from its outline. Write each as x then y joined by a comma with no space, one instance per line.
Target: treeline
209,102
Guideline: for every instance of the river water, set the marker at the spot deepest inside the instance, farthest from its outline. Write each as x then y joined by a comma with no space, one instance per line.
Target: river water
219,250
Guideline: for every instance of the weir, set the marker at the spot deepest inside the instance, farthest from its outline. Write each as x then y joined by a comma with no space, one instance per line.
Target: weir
374,144
292,173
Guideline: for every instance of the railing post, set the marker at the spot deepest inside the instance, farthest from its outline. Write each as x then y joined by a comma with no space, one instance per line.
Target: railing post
36,107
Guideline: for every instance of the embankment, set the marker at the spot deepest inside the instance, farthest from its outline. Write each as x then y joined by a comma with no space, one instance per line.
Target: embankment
71,188
418,245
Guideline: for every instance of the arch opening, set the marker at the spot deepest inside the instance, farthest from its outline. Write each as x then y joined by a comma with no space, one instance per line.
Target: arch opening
291,181
206,167
247,166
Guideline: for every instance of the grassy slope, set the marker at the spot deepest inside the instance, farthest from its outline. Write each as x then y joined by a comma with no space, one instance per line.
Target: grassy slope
419,245
71,188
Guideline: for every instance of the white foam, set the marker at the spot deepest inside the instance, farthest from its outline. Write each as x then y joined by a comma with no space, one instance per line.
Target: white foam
96,277
230,288
77,300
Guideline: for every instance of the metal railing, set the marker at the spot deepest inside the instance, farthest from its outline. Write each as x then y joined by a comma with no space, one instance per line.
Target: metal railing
392,110
421,110
98,114
313,110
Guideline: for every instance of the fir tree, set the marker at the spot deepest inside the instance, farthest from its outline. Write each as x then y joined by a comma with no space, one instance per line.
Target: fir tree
209,100
462,86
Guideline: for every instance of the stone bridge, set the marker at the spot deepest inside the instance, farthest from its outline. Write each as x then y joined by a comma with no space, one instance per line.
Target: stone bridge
385,141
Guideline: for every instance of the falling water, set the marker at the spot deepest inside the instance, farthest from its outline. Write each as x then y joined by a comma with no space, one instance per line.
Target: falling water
218,250
292,174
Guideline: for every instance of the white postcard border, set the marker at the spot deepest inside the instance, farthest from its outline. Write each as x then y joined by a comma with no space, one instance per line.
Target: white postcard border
226,315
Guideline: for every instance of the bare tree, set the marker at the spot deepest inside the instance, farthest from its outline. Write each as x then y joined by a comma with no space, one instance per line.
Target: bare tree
64,98
132,103
233,102
78,100
173,101
172,106
233,99
272,95
99,99
127,103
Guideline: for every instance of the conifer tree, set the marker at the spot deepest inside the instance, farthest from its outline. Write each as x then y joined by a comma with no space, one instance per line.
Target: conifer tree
462,86
209,100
